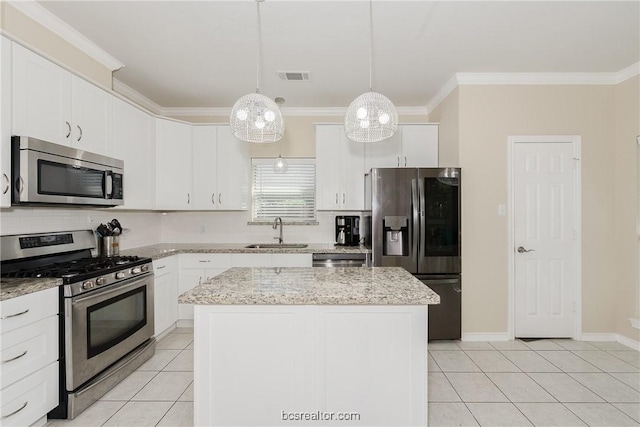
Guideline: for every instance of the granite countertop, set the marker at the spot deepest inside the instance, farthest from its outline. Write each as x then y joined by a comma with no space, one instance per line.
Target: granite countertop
312,286
168,249
11,288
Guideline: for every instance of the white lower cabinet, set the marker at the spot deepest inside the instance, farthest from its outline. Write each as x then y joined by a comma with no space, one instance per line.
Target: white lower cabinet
29,358
165,293
278,361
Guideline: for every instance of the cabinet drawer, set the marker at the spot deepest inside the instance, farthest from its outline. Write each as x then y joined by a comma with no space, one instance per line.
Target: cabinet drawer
26,309
205,260
28,349
29,399
165,265
292,260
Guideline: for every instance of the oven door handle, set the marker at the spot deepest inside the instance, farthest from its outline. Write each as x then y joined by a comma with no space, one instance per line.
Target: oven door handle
108,185
130,284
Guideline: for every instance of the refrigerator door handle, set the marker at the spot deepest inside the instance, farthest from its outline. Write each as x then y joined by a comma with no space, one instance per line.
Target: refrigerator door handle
415,229
423,224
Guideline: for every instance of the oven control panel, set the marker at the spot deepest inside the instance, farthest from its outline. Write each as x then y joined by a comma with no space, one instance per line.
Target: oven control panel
109,279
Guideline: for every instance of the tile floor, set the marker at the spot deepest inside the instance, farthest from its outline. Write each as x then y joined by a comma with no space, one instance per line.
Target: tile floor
514,383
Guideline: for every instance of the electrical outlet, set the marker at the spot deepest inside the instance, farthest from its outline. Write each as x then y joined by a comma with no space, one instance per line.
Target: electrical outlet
502,210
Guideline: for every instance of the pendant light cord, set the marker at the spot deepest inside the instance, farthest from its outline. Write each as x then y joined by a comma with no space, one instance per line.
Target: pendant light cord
370,45
258,49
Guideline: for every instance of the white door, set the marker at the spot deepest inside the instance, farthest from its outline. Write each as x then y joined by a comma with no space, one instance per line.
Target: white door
545,227
173,166
92,118
328,141
419,146
385,153
204,168
232,166
351,163
5,122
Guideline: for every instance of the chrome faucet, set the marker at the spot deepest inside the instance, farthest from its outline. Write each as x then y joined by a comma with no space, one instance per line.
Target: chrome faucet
275,227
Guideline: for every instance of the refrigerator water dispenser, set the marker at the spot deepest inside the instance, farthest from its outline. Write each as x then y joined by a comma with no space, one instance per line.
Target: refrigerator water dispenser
395,236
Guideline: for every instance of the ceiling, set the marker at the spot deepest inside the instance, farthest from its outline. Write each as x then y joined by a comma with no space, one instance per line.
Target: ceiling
203,53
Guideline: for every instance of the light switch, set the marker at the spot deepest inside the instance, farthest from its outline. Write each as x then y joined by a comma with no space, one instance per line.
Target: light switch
502,210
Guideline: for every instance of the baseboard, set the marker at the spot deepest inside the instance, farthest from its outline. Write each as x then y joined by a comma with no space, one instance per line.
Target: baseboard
185,323
628,342
597,336
485,336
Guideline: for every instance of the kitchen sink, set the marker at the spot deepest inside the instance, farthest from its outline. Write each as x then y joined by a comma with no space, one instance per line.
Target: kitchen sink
276,246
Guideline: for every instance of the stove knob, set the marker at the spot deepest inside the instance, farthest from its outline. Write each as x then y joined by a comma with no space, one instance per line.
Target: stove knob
101,281
120,275
88,284
145,268
136,270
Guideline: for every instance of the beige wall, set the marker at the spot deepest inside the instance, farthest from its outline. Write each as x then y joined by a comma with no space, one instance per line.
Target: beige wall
446,113
627,121
35,36
487,116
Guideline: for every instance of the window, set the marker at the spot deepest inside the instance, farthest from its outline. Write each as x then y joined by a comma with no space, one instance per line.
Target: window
290,195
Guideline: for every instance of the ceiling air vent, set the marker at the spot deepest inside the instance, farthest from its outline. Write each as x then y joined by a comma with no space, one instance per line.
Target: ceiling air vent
294,76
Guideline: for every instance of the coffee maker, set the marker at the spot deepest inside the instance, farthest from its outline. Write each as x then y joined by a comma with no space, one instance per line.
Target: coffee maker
347,230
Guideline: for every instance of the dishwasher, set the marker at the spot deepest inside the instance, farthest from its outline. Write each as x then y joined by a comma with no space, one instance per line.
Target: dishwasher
341,260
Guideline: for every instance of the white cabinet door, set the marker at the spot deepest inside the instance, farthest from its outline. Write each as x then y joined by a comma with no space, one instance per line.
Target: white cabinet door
41,97
384,154
189,279
165,294
232,170
204,168
173,165
133,136
92,117
328,140
339,170
351,174
419,146
5,122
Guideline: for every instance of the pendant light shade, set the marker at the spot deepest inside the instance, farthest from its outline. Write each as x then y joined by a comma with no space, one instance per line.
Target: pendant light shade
371,117
255,117
280,165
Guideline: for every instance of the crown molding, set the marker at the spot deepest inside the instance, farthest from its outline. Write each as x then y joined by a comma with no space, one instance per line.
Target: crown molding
57,26
535,78
286,111
627,73
440,96
137,97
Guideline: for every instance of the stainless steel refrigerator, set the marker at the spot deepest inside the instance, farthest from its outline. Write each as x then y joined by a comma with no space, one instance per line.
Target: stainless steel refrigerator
412,220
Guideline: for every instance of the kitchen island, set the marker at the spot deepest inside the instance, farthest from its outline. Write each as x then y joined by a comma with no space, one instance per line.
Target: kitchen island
310,346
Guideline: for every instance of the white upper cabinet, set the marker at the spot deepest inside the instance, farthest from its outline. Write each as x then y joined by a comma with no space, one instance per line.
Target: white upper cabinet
5,122
133,142
173,165
220,169
339,170
41,98
92,117
411,146
232,166
51,104
205,195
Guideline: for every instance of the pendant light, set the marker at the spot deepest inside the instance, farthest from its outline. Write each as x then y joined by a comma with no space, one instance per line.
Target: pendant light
371,117
280,164
255,117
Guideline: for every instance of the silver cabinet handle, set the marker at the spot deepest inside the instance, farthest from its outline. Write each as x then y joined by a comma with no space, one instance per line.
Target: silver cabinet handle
80,130
20,184
17,357
336,198
161,267
398,158
188,198
522,250
213,198
24,405
15,315
219,198
344,198
405,160
204,260
6,183
68,129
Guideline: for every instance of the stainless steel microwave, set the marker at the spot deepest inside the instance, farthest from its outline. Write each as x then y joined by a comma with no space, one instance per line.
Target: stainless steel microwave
47,173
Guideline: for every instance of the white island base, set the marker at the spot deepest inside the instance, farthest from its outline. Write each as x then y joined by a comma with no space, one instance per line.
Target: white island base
310,365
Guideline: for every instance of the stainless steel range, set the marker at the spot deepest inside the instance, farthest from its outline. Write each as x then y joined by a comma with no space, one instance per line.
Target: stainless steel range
106,306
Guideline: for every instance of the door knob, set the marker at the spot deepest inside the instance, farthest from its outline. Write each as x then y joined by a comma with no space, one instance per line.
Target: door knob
522,250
